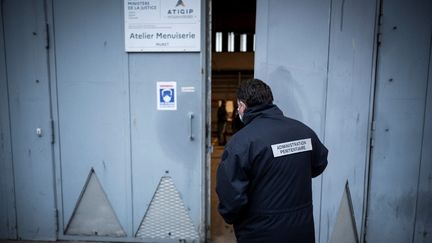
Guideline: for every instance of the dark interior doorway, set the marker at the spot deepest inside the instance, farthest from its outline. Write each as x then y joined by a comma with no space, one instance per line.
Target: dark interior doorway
233,37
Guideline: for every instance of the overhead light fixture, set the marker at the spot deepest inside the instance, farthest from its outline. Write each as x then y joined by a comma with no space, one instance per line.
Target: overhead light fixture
218,46
231,41
243,42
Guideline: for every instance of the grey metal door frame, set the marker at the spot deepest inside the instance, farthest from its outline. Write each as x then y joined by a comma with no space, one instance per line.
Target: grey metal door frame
206,50
370,121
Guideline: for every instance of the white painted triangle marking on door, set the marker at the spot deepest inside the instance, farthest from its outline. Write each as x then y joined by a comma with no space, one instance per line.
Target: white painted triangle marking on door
167,217
93,214
345,230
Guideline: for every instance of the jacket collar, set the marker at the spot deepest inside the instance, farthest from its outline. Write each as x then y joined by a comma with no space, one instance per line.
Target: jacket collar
266,110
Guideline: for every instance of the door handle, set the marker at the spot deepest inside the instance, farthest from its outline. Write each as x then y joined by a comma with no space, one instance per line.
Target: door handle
191,116
39,132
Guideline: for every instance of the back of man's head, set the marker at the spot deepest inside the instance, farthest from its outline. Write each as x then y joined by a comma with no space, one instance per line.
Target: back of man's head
254,92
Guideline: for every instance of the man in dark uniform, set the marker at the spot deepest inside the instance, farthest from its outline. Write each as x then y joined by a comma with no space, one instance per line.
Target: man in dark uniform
264,180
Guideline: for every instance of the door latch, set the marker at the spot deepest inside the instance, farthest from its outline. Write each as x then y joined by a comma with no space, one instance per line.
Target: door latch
39,132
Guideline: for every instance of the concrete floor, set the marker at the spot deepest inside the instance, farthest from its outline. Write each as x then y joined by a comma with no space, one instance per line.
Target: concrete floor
220,231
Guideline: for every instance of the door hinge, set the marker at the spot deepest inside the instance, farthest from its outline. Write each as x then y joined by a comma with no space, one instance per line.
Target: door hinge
372,134
52,132
47,36
380,16
380,23
379,39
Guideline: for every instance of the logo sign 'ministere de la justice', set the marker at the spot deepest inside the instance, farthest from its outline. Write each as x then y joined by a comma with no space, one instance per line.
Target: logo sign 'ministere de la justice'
162,25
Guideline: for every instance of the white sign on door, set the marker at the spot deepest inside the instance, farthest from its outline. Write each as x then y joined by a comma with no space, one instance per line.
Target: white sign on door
162,25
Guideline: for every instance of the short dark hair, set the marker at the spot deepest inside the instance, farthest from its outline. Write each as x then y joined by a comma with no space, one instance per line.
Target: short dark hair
254,92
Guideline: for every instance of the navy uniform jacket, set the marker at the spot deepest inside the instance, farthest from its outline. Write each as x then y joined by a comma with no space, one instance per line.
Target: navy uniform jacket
264,180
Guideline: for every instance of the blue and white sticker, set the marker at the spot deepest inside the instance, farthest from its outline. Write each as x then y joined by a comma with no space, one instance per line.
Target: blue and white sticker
166,95
297,146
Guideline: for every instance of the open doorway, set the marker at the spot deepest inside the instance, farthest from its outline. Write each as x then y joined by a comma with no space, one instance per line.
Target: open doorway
233,41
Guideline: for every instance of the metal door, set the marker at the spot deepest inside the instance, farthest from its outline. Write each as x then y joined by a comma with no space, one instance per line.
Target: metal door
167,145
143,165
28,82
93,118
399,122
